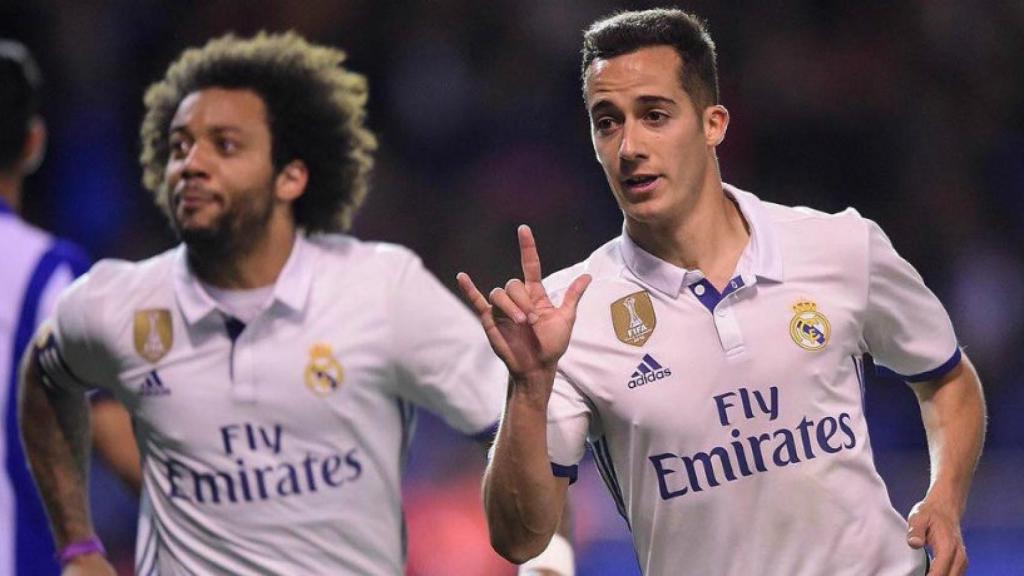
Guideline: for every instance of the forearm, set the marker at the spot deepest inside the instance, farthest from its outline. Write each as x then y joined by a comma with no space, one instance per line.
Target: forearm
524,500
55,430
953,412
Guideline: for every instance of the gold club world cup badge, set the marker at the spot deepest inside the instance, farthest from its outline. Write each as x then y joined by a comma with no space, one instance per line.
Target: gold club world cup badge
809,328
633,318
323,373
154,333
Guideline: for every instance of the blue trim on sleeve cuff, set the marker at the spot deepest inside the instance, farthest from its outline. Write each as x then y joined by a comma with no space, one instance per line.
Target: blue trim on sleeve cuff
570,472
487,434
934,374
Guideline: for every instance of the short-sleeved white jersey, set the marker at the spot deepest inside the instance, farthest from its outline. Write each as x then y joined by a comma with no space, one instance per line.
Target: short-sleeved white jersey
277,447
728,426
34,268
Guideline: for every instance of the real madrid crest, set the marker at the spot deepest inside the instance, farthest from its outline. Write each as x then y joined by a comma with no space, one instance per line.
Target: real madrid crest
323,373
809,328
633,318
154,333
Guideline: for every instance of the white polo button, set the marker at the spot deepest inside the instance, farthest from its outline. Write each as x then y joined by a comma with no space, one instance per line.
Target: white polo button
699,290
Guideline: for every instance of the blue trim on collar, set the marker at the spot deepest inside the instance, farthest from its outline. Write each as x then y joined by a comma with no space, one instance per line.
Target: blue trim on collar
933,374
570,472
5,208
709,295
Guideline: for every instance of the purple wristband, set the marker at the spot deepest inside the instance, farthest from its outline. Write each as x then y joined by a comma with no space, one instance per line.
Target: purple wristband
80,548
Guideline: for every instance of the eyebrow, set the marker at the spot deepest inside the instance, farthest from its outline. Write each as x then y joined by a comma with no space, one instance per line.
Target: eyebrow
646,100
217,129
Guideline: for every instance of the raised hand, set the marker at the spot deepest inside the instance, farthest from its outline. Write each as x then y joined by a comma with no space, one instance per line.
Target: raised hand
525,329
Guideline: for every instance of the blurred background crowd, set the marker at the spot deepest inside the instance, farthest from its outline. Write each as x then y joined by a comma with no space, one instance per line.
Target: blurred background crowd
913,112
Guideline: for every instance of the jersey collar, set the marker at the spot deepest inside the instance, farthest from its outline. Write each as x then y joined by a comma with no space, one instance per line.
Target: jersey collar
291,289
5,208
760,259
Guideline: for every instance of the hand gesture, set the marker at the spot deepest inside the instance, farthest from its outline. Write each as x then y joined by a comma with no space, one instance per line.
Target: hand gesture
939,530
525,330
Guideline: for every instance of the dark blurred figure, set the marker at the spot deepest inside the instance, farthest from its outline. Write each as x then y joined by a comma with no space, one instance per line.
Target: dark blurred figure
35,267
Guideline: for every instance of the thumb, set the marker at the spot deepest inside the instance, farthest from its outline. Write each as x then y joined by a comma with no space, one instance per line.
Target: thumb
575,292
917,534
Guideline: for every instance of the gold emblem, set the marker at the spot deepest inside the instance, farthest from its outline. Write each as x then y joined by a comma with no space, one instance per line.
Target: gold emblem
323,373
809,328
154,333
633,317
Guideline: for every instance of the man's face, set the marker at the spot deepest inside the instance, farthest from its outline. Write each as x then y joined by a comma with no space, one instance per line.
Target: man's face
650,140
220,175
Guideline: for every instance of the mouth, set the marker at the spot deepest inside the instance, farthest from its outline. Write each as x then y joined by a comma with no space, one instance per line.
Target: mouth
191,199
641,183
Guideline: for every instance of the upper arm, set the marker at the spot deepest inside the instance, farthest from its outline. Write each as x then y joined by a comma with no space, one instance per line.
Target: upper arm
445,362
69,346
570,421
906,328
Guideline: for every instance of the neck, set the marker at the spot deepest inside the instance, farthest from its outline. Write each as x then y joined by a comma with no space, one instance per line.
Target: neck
10,191
246,265
710,236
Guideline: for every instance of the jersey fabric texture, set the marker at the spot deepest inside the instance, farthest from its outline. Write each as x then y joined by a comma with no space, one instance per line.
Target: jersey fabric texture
35,267
277,446
728,426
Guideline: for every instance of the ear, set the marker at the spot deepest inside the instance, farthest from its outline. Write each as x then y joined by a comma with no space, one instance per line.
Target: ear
290,182
35,146
716,122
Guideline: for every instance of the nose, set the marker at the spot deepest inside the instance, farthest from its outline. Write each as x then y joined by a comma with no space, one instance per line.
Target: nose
631,145
194,163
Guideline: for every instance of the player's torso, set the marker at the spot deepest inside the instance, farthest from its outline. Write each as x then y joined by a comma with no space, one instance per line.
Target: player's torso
708,413
282,440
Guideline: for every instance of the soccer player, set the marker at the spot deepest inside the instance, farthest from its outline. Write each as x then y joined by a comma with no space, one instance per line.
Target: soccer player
271,365
714,362
35,267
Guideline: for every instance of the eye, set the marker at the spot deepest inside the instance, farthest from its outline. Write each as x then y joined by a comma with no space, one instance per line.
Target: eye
227,145
178,146
656,117
604,124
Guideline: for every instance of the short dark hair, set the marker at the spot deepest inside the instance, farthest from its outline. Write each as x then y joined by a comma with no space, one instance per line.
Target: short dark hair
316,111
20,83
627,32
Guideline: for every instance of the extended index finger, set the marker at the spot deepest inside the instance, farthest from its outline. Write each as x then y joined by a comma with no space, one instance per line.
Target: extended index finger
528,255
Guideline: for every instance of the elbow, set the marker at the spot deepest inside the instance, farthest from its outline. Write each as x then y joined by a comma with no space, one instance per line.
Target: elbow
517,546
516,550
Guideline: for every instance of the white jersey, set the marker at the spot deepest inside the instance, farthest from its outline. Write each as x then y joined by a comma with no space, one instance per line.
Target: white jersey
34,267
729,426
277,447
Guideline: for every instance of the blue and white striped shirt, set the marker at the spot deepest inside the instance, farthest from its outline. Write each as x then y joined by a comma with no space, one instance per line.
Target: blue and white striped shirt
34,268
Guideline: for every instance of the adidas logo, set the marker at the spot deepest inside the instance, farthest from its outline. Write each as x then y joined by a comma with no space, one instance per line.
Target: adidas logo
153,386
648,371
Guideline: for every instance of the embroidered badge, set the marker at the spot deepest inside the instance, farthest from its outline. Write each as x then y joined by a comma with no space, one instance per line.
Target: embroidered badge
154,333
809,328
323,373
633,318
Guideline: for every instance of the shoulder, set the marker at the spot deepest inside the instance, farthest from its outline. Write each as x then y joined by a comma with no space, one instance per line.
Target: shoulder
345,256
122,282
605,267
811,232
25,247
